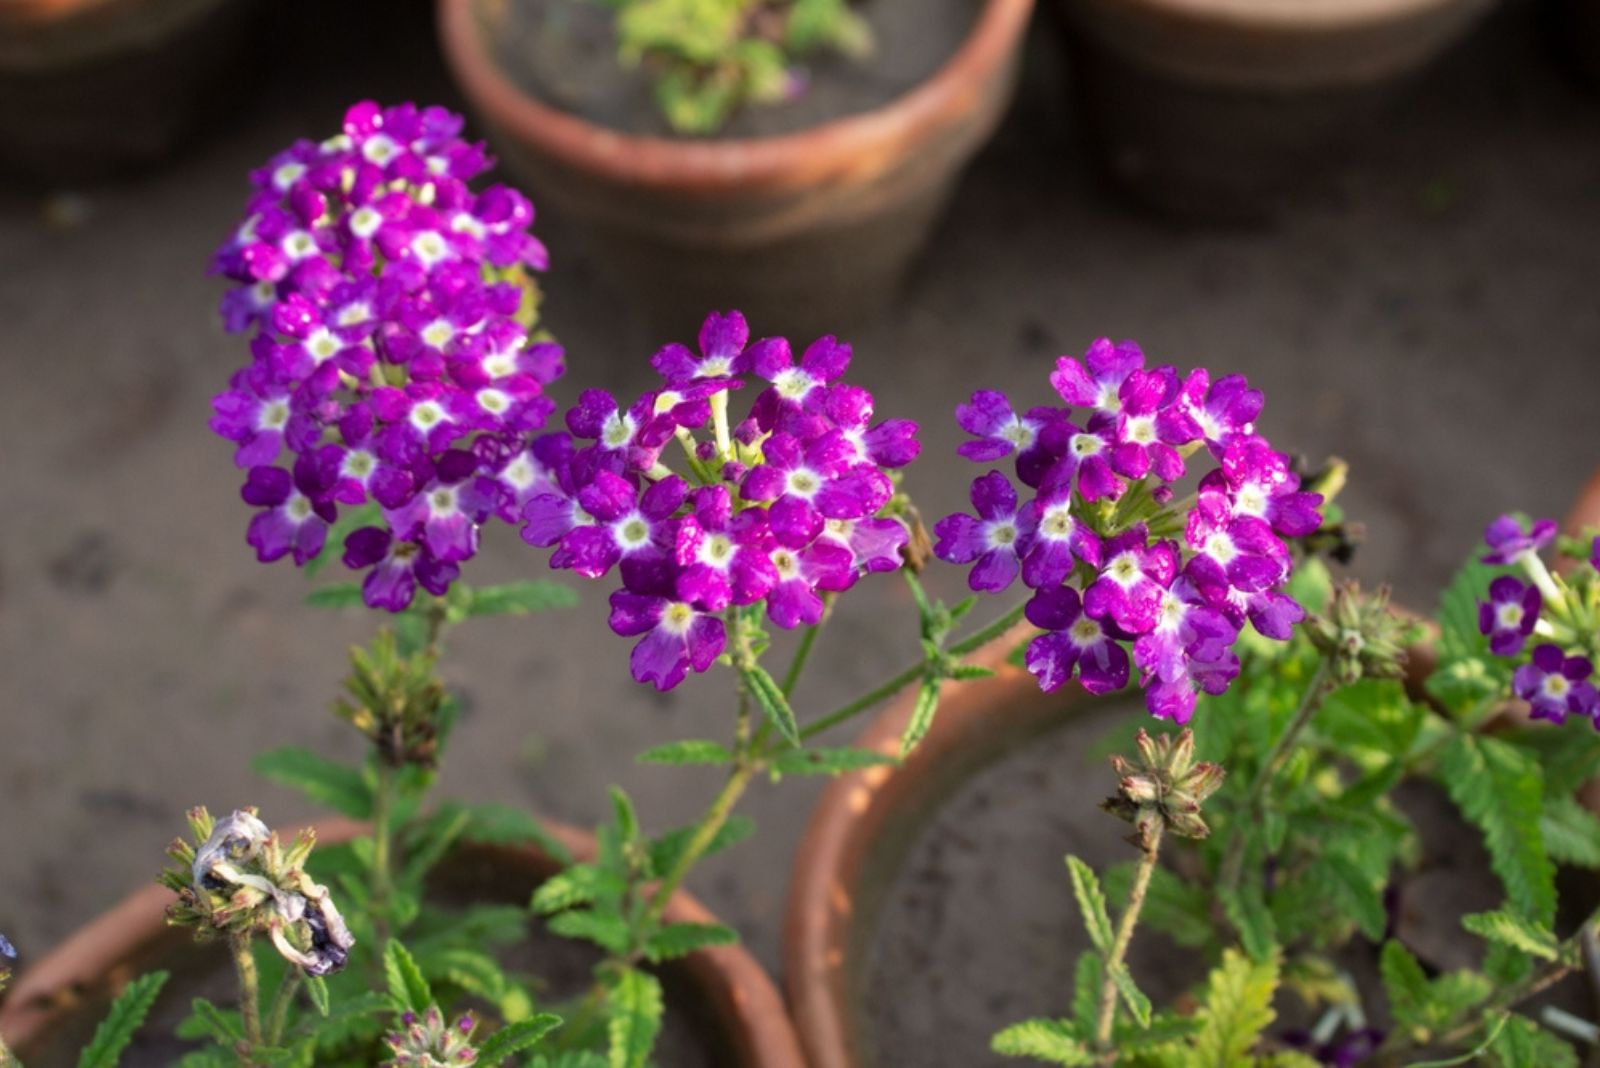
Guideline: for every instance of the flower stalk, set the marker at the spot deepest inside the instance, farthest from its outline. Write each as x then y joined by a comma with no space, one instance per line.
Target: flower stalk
244,966
1125,928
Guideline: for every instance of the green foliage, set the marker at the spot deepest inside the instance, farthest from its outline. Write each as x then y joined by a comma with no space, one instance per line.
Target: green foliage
127,1014
408,990
687,752
1571,832
339,595
1091,903
768,695
1467,675
1052,1041
633,1016
330,785
827,761
1500,789
1534,939
492,824
516,1038
1521,1043
1179,909
665,850
1236,1008
1422,1007
518,598
681,939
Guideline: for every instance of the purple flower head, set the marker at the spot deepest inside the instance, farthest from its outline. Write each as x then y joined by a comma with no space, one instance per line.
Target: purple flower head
1001,432
1076,641
630,527
994,541
1144,443
1060,540
795,599
1258,482
1594,553
1556,685
676,636
1232,552
724,556
812,483
1508,539
1133,577
1188,650
1096,382
1509,615
722,356
1223,411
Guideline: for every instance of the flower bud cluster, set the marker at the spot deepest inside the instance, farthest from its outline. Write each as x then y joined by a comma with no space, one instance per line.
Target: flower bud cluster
392,363
1114,561
1559,612
429,1042
1360,636
781,505
1166,787
240,880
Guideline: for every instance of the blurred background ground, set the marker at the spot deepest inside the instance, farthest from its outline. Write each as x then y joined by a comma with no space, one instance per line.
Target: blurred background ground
1429,312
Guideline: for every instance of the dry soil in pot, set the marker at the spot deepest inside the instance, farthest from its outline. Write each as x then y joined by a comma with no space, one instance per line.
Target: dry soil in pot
564,52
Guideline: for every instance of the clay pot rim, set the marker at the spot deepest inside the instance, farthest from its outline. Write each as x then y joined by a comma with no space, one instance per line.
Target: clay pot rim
709,167
746,999
1280,16
38,12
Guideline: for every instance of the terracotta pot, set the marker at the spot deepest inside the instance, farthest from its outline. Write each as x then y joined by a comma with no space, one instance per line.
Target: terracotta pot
89,88
1215,108
802,232
737,999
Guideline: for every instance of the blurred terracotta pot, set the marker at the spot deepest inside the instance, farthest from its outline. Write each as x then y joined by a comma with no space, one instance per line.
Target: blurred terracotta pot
1215,108
799,231
89,88
76,980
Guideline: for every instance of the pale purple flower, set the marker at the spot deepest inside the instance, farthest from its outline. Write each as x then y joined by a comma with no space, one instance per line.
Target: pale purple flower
1509,615
1001,432
1060,540
874,545
677,636
1096,382
1075,641
1223,411
1508,538
994,540
1133,577
1557,686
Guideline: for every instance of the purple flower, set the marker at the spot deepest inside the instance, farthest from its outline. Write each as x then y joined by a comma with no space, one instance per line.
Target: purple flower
1258,482
1001,431
1556,685
1075,641
1132,579
994,541
398,568
1594,553
677,636
874,545
724,556
1143,441
1096,382
290,521
1188,649
1223,411
722,355
1059,541
808,484
1232,552
794,600
444,517
628,526
795,387
1508,539
1508,617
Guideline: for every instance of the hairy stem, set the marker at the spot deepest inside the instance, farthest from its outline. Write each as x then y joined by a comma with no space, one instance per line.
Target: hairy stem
382,850
712,822
1316,692
791,678
244,963
1119,946
280,1004
911,674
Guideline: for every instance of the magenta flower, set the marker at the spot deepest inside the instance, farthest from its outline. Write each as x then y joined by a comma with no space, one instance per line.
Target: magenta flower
677,636
1509,615
810,483
993,541
1001,432
1508,539
1075,641
722,358
1059,541
1133,578
290,523
1096,382
1223,411
1557,686
1188,650
398,568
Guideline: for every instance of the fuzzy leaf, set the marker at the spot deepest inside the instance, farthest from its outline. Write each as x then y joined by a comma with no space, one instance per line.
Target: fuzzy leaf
1054,1041
687,752
1360,897
1498,787
1236,1009
577,885
633,1005
516,1038
827,761
1571,833
317,990
1086,990
324,782
1509,929
407,988
1091,903
521,598
1132,996
769,696
1251,918
1406,985
1521,1043
680,939
921,715
664,851
339,595
606,931
127,1013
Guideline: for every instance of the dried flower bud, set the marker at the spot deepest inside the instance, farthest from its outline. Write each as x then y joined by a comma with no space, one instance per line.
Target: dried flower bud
428,1042
241,880
1165,788
396,701
1360,636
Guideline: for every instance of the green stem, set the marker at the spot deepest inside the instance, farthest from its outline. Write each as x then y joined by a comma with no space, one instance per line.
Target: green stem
1119,946
382,887
1250,814
280,1004
244,963
717,815
791,678
967,645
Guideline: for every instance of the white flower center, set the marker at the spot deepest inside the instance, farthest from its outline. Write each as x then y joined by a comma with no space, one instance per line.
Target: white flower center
714,367
365,222
298,244
792,383
1020,434
787,563
632,532
1124,570
500,364
804,483
520,473
298,506
676,617
1002,534
1171,611
1251,500
274,415
1057,522
1087,445
1556,687
322,345
1208,426
1085,632
1509,616
379,149
716,550
429,247
1108,401
264,293
358,464
1220,547
442,502
618,430
1142,429
286,175
494,401
467,223
438,333
427,415
354,314
336,143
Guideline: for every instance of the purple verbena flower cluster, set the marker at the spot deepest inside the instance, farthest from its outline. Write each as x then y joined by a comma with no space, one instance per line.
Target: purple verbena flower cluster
780,507
1113,562
392,360
1557,677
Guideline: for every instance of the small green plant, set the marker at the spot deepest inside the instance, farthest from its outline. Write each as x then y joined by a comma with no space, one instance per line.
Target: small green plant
710,57
127,1013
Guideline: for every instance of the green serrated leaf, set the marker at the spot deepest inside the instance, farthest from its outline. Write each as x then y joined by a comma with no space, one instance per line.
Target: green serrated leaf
126,1015
408,990
1055,1041
1250,916
340,595
1237,1007
317,990
1521,1043
576,885
607,931
333,786
1134,998
665,851
1091,903
1499,788
1086,991
827,761
921,715
206,1020
633,1010
1406,986
492,824
1571,833
695,751
516,1038
1511,930
521,598
680,939
1358,894
769,698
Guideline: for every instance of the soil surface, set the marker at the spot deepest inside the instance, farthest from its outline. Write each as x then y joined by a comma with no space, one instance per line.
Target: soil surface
978,928
564,52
